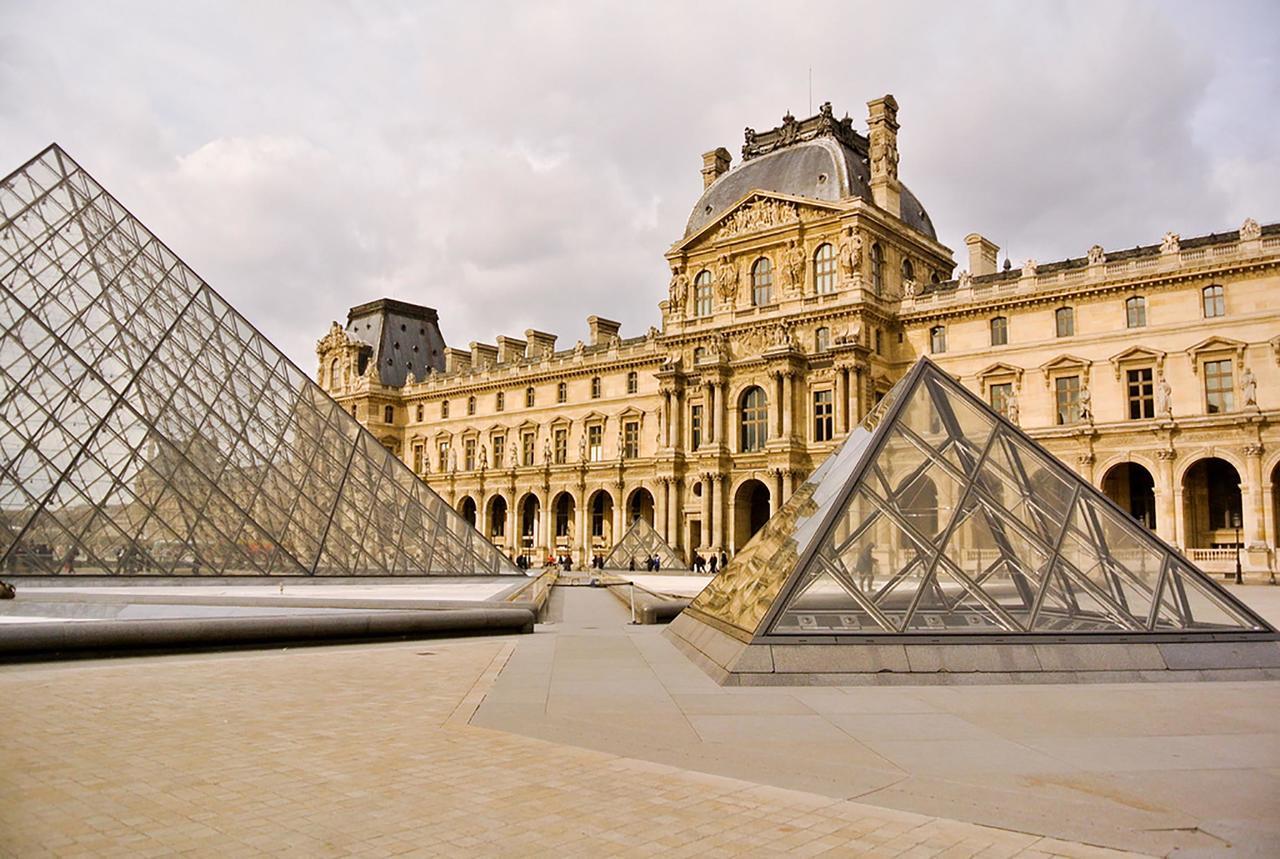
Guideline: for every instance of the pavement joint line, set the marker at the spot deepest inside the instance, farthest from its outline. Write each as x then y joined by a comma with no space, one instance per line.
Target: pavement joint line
461,715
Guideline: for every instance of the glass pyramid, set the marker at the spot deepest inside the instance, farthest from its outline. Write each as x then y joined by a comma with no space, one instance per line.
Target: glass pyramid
937,516
640,542
146,427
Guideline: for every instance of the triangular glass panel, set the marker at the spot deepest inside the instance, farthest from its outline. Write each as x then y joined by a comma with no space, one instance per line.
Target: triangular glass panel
640,543
147,428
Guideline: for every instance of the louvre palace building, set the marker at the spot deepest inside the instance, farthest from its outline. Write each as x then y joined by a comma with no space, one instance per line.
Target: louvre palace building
808,280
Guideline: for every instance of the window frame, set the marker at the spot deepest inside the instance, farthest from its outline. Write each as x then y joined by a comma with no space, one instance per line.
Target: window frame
823,404
695,426
1226,393
822,339
562,392
388,414
530,397
1135,311
703,294
762,282
630,439
998,396
1071,415
1144,400
753,420
938,340
825,269
633,382
595,442
1068,314
560,445
1216,293
1001,324
876,255
596,387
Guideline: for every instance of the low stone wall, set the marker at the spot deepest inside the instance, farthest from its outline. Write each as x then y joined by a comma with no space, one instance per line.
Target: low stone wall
932,662
651,608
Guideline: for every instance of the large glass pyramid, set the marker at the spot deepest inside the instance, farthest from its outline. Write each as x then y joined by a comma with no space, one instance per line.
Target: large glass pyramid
937,516
146,427
641,542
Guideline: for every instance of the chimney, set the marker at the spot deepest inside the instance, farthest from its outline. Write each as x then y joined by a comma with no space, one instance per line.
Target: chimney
510,349
541,344
882,123
603,331
714,165
483,355
456,360
982,254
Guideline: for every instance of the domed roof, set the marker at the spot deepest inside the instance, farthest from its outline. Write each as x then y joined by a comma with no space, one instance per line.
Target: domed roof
829,165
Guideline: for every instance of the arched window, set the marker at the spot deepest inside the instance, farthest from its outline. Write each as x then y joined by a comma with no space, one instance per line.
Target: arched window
755,419
702,294
595,387
762,282
822,339
444,409
333,374
824,269
562,392
1135,312
877,268
633,382
528,398
1065,321
938,339
699,355
1215,303
471,405
499,401
908,270
999,331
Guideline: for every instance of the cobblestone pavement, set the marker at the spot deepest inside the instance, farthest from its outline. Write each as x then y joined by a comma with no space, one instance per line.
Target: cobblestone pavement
367,750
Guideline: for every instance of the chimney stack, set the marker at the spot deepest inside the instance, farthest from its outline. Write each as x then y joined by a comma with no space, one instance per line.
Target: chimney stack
982,254
882,136
541,344
603,331
714,165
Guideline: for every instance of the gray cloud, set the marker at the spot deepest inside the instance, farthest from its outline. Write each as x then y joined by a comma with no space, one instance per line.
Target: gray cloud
526,164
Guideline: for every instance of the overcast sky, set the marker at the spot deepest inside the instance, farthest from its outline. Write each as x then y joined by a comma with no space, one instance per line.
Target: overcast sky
520,165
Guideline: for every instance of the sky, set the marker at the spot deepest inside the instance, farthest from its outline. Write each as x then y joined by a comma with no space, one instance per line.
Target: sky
526,164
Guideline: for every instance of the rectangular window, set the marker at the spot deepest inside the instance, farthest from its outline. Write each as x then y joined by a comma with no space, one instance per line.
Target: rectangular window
999,396
633,382
1141,392
499,450
1067,397
695,427
417,458
1215,303
562,446
389,415
469,454
595,443
879,342
1000,331
823,415
1219,392
703,296
937,339
1135,312
630,439
526,444
1065,318
444,456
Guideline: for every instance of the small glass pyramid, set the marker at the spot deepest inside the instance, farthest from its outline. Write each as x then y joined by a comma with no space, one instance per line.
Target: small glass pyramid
147,428
937,516
639,543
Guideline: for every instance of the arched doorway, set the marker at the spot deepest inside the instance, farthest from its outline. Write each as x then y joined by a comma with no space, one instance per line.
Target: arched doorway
468,510
601,526
1211,505
1133,489
639,506
498,519
750,511
562,510
529,509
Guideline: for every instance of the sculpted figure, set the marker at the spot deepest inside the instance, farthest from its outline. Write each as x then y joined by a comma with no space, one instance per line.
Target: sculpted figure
909,288
679,290
1250,231
1029,268
484,457
1011,407
546,451
965,281
1249,387
453,460
794,268
1096,255
1170,243
727,279
582,449
849,254
515,455
1164,398
1086,404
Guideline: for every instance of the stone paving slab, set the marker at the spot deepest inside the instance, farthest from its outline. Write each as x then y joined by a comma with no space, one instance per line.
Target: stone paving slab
367,750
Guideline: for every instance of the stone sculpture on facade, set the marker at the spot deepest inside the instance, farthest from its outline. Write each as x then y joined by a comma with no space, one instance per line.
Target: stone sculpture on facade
1011,406
965,280
679,290
1171,243
1029,268
1086,404
1164,398
1249,388
727,279
760,214
1250,231
1097,256
793,269
850,255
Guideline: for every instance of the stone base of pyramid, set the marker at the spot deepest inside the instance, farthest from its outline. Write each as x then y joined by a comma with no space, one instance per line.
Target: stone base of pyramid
930,661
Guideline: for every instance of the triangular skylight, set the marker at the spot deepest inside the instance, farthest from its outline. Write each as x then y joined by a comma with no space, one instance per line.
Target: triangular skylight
147,427
642,541
937,516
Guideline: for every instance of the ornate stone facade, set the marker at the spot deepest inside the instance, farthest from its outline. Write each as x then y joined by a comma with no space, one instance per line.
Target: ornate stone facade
808,281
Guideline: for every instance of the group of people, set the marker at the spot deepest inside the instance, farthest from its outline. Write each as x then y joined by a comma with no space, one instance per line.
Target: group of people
652,563
711,564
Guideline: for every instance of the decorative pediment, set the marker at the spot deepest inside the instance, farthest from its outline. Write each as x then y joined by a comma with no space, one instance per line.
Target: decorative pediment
759,212
561,423
1137,355
1217,347
998,372
1064,364
594,417
630,412
528,424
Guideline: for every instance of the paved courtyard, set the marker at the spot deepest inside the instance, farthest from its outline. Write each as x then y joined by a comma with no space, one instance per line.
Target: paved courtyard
596,738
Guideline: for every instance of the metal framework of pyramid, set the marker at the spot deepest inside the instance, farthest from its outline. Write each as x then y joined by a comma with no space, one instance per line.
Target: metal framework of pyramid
642,541
147,428
939,520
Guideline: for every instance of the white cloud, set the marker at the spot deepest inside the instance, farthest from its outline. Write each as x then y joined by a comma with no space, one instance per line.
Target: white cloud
526,164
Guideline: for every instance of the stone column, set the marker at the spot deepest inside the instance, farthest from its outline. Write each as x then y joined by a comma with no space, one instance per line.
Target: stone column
841,398
1255,521
706,509
619,517
546,539
660,508
775,492
482,516
1166,516
788,403
775,428
513,524
583,516
717,511
673,513
718,406
679,419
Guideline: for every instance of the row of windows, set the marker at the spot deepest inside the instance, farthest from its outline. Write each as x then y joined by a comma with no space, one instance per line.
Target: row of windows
530,398
526,451
1140,397
1064,319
